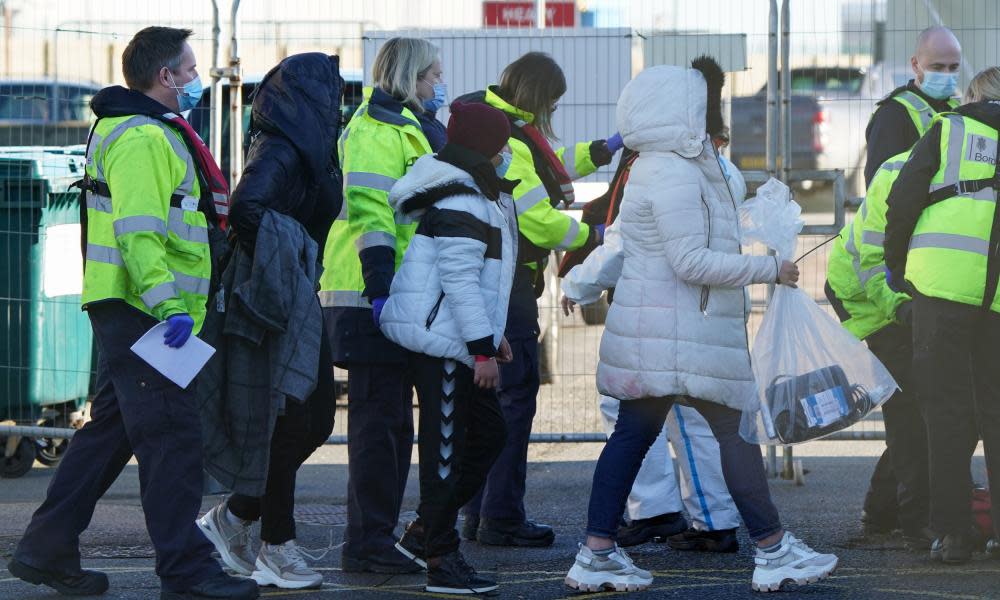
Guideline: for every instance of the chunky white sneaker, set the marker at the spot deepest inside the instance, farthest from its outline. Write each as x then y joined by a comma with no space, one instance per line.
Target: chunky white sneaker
283,566
616,571
232,542
793,561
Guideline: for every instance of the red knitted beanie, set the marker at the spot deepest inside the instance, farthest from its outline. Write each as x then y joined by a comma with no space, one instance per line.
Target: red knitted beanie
478,127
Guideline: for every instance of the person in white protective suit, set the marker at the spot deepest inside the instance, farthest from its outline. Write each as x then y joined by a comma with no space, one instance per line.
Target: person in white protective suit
655,502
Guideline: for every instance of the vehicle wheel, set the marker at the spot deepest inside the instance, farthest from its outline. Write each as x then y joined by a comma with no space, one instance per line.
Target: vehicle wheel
595,313
50,450
20,462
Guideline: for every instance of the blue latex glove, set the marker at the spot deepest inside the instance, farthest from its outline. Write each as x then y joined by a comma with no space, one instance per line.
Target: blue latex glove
179,329
615,143
377,305
599,232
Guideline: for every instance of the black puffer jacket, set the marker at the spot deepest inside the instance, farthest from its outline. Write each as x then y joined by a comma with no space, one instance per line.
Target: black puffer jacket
292,166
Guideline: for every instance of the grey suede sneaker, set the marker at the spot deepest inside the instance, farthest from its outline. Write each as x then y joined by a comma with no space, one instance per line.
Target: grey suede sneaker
282,565
232,542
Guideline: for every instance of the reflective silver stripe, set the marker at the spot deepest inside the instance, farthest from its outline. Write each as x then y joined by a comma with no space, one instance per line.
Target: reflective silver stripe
342,216
529,199
985,194
520,122
893,166
872,272
956,137
344,299
140,224
98,203
950,241
169,115
221,203
574,230
569,161
873,238
164,291
864,210
369,180
105,254
375,238
186,231
852,249
191,284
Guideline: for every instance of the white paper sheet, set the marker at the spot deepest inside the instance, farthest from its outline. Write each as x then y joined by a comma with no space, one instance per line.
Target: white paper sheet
179,365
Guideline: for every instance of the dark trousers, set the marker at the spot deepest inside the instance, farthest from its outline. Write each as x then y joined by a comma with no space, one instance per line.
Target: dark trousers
379,443
304,427
904,427
956,366
461,434
502,497
135,411
905,488
639,424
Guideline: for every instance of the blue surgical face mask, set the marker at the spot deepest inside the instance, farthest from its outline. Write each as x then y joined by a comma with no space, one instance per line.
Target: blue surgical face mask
939,85
190,93
440,97
505,160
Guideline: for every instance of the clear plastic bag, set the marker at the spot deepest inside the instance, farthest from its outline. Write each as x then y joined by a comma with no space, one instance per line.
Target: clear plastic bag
771,218
813,377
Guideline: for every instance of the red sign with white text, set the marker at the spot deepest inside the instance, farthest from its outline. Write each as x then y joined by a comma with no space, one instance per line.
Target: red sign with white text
522,14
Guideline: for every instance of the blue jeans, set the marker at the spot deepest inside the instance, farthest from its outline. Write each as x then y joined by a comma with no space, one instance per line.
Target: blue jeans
639,423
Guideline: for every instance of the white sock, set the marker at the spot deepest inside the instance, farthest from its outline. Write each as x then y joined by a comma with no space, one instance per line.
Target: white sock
234,520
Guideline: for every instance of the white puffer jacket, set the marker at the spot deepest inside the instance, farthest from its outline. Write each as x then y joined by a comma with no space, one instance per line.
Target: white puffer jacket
677,325
449,298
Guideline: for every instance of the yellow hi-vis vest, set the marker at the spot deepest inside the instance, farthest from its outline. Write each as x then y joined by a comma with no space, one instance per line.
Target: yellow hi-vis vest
950,245
856,269
376,149
538,221
921,113
147,241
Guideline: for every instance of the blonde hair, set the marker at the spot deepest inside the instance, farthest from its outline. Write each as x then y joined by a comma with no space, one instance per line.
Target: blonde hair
984,86
534,83
399,64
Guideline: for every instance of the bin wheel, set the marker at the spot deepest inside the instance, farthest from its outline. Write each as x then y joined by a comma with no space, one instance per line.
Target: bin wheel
18,463
49,451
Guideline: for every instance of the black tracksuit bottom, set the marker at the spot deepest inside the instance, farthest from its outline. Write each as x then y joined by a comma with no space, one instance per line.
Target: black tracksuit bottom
461,433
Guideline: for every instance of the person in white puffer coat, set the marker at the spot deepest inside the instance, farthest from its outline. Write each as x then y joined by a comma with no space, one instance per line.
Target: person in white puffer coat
448,306
676,330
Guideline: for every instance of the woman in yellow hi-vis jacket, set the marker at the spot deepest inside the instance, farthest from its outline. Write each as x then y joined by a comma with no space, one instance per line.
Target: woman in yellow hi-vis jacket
528,92
364,248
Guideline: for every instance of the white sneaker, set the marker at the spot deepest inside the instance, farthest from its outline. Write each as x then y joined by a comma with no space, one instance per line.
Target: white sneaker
793,561
232,542
616,571
283,566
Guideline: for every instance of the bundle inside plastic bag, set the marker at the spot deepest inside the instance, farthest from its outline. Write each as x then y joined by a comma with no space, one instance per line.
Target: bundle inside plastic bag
771,218
813,377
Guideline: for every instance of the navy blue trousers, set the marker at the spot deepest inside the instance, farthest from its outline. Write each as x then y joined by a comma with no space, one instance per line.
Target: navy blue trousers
135,411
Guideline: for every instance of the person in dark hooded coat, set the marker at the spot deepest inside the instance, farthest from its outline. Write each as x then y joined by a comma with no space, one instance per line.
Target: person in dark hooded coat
292,169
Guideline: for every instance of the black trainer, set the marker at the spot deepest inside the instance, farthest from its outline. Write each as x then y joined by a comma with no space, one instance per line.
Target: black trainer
390,562
81,583
952,550
453,575
695,540
411,544
219,587
470,528
653,529
497,532
878,524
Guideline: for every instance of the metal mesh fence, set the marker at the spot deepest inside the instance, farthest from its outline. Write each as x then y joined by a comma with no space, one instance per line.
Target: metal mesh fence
844,55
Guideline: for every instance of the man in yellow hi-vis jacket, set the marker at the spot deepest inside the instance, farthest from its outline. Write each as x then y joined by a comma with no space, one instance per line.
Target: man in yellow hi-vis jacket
152,195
